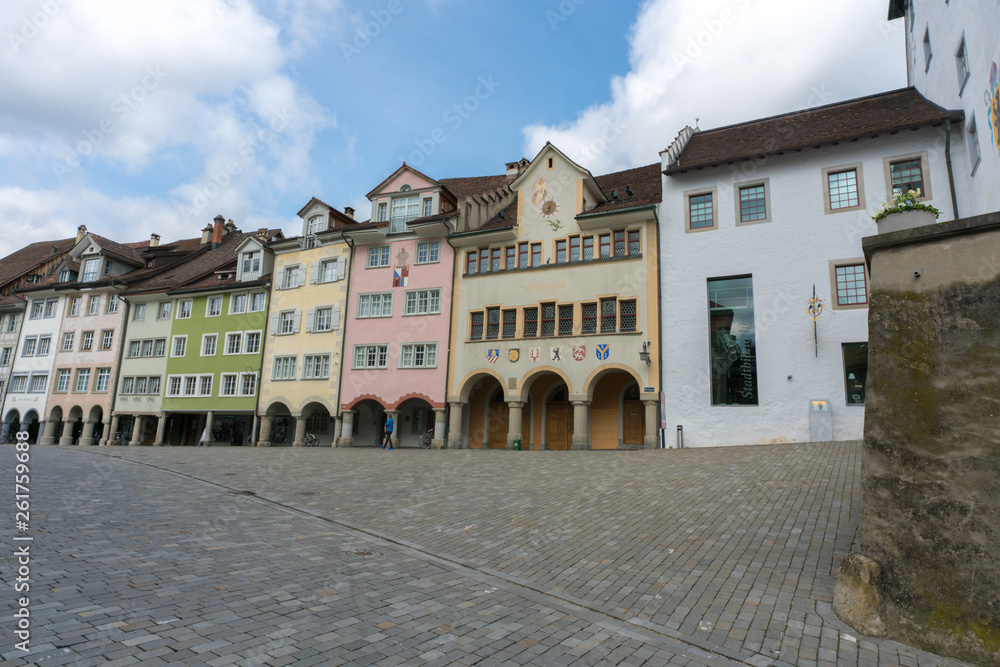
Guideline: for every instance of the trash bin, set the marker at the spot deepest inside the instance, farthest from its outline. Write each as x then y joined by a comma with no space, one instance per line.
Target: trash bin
820,421
517,443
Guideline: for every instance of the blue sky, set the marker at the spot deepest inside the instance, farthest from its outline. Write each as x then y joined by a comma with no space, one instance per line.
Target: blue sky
133,117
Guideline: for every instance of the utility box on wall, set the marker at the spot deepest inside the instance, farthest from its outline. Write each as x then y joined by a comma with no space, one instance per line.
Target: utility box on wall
820,421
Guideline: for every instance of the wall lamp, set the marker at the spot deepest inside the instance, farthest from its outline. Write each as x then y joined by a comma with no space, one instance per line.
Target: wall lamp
644,355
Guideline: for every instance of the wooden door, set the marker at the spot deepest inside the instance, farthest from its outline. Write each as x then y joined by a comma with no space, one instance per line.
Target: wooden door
558,426
634,423
498,423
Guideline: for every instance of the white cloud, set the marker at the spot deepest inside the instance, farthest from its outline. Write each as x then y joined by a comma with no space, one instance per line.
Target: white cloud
728,61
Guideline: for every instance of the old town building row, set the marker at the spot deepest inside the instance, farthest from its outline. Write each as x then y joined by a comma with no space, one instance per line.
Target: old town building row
542,308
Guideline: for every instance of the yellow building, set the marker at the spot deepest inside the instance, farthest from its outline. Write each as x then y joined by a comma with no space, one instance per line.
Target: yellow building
300,373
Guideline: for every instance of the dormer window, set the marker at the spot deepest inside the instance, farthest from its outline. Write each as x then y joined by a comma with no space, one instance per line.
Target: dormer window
64,275
90,269
383,212
251,262
107,267
404,209
315,225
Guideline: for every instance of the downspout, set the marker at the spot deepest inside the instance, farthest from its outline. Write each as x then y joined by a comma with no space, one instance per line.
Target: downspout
451,323
118,369
260,372
659,319
947,159
343,334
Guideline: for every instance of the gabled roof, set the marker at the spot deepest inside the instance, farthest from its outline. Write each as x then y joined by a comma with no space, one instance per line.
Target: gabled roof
23,261
463,188
870,116
312,201
402,168
508,219
549,146
643,181
130,252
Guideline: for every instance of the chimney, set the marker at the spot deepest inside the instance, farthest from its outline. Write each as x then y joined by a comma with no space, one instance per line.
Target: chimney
81,231
230,227
206,234
154,240
217,231
349,212
513,170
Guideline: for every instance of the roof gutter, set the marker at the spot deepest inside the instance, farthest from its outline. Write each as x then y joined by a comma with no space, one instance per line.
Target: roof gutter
617,211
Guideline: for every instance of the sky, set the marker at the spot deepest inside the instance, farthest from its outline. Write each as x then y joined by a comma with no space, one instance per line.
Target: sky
133,116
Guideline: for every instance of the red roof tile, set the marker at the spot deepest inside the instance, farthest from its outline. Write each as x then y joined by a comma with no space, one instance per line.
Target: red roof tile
21,262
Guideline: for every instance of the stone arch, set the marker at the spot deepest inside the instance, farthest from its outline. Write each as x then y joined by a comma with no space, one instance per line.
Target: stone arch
56,414
358,400
320,420
419,396
598,373
468,383
524,384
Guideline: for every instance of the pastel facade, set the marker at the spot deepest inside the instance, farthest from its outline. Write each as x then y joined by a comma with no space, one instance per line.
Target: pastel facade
555,314
755,216
11,319
302,362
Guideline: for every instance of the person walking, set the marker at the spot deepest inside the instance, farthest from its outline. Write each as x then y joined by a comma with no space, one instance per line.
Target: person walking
388,432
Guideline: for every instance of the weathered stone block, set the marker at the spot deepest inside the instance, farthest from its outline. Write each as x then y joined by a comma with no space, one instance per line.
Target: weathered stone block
857,597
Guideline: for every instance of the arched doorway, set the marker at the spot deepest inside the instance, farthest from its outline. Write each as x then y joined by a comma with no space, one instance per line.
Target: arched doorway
319,423
633,417
558,419
30,424
369,424
497,424
617,415
11,423
416,417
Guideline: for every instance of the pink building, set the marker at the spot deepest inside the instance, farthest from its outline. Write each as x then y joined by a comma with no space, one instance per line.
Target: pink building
399,305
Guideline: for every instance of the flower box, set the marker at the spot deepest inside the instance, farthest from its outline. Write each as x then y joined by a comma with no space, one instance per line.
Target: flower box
895,222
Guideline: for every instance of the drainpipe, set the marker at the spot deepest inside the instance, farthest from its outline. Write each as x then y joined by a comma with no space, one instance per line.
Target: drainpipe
260,373
451,322
659,319
118,369
947,159
343,335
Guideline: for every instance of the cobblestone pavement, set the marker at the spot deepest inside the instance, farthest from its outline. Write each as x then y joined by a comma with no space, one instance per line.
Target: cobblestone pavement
222,556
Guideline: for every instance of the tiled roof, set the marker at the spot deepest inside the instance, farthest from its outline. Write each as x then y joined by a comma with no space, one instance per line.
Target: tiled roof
509,218
24,260
212,280
12,300
643,181
130,251
867,116
463,188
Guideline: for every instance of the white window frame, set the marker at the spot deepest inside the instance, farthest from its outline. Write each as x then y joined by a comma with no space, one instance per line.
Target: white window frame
173,346
103,380
287,364
239,343
5,355
174,386
139,314
286,316
385,301
87,341
107,339
84,375
430,248
34,377
263,302
209,311
378,257
37,309
244,378
409,349
74,306
29,347
184,307
363,349
50,307
94,305
113,303
90,269
62,380
205,338
246,341
234,300
223,379
309,367
18,384
962,65
290,277
163,310
44,346
316,319
416,301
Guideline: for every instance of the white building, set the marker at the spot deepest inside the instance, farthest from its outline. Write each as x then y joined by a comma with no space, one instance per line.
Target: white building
754,217
953,59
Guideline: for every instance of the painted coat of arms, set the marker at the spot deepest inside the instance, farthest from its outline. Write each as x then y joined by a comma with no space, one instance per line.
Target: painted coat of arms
555,353
579,352
513,355
603,351
534,353
493,355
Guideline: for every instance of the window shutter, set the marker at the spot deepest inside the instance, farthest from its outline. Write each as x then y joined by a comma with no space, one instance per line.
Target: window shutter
310,320
315,273
274,324
335,317
297,322
341,267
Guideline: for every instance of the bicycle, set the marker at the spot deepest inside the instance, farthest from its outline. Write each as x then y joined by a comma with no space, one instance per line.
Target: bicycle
425,438
121,439
310,440
6,439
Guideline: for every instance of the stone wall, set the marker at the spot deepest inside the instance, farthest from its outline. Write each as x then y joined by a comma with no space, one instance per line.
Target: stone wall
930,516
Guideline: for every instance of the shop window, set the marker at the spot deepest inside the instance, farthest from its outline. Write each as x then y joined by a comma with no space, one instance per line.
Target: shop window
732,341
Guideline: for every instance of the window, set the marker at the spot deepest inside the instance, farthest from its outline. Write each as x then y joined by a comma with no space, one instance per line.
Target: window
470,262
190,386
383,212
286,323
973,139
315,225
108,265
509,323
906,175
619,236
428,202
50,307
159,347
732,341
588,248
82,379
248,386
634,242
928,54
375,305
530,322
851,284
147,348
589,318
5,355
316,366
418,355
139,314
90,269
184,309
229,384
404,209
627,315
103,377
251,342
12,324
180,346
561,251
492,323
328,271
609,315
209,342
700,211
258,301
18,383
64,275
113,303
94,306
371,356
37,308
234,343
323,319
510,252
476,326
154,385
106,339
284,368
290,277
574,248
39,381
238,304
962,65
843,188
604,245
536,254
29,346
214,308
74,306
855,371
495,259
378,257
484,260
133,347
753,203
62,383
204,385
423,302
251,262
566,320
43,346
88,340
173,386
522,255
548,319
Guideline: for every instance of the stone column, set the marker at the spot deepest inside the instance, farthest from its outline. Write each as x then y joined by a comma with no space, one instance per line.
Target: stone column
396,426
581,423
49,434
264,438
137,431
67,433
112,430
514,409
347,428
455,424
209,416
300,431
161,426
649,441
87,437
106,433
336,432
439,427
